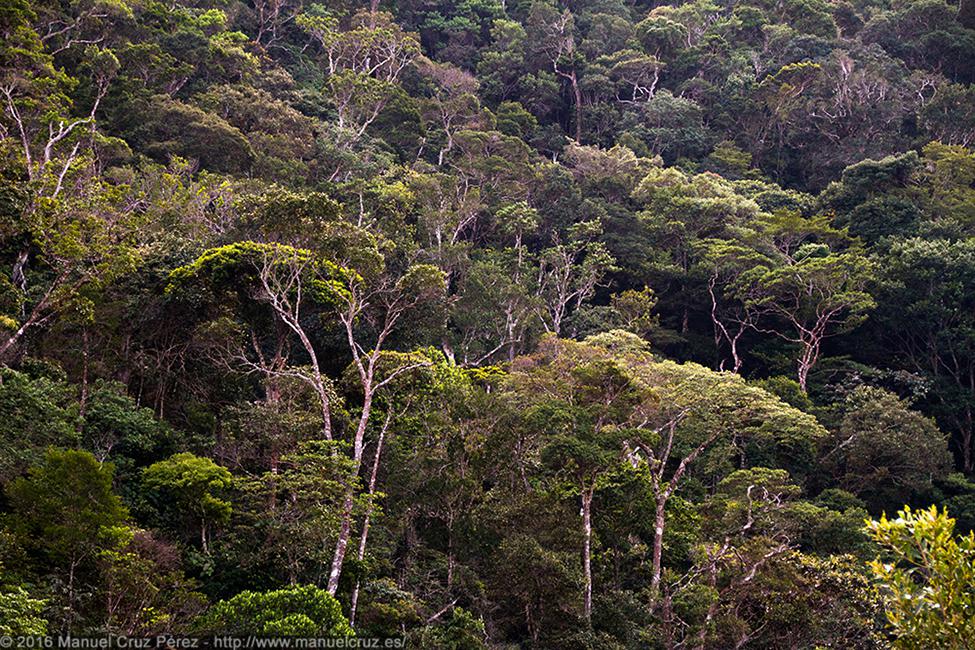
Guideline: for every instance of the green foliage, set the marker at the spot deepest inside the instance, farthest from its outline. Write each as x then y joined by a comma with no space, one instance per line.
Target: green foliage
294,611
146,588
65,509
20,614
294,509
191,486
509,324
923,297
174,128
38,413
116,427
884,452
460,632
926,578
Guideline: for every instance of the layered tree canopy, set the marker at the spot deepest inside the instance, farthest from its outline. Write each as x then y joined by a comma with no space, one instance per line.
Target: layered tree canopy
489,324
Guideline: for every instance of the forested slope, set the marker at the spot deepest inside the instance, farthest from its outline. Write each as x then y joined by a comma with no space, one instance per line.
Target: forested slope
588,324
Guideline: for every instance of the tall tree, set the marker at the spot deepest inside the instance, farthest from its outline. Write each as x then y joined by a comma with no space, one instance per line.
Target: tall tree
66,511
926,301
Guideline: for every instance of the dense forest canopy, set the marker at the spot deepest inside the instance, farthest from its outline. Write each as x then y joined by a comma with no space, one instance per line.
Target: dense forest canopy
489,323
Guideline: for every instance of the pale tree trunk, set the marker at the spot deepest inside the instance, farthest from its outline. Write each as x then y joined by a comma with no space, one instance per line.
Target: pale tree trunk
71,571
573,79
658,543
721,332
667,618
345,528
450,551
364,536
341,544
365,363
663,490
806,361
966,441
85,348
564,44
577,94
18,276
12,340
587,552
36,318
283,293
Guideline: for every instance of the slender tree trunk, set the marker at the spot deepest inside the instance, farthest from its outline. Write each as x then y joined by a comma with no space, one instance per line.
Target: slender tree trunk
450,553
273,503
966,441
360,433
317,378
577,93
587,552
803,371
12,340
19,276
83,401
70,617
530,623
341,544
668,620
345,528
658,544
573,79
364,537
702,636
36,316
806,361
